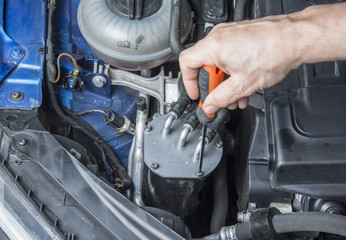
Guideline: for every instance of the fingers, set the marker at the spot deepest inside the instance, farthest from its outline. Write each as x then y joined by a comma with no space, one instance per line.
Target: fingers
191,86
233,106
230,94
190,60
243,102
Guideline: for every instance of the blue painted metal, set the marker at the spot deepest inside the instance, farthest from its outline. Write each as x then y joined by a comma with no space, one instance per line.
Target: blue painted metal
67,38
89,97
11,53
21,63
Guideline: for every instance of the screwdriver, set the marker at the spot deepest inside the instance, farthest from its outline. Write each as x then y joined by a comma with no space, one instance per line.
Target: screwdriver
208,79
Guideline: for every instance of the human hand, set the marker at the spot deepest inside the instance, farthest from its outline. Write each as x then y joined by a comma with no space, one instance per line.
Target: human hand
256,54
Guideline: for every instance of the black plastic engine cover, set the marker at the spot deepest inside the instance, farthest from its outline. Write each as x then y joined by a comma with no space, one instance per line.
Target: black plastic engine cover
310,142
297,143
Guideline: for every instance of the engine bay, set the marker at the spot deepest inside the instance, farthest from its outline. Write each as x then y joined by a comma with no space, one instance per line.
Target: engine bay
99,139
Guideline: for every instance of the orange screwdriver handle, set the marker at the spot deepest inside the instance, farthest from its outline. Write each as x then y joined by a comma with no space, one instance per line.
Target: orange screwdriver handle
208,79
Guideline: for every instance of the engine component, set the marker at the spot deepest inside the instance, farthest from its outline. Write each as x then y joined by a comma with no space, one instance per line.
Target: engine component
175,112
323,128
177,109
178,196
157,86
122,123
170,220
270,224
215,11
130,44
174,185
298,139
175,162
190,125
136,162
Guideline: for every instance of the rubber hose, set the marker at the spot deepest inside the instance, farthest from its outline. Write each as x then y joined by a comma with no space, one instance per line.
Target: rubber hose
239,10
310,221
209,237
220,196
174,30
243,231
221,118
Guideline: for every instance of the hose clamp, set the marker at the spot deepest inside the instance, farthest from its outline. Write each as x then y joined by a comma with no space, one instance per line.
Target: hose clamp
228,233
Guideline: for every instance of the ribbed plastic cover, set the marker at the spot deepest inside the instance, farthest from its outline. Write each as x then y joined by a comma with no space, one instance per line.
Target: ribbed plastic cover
320,112
129,44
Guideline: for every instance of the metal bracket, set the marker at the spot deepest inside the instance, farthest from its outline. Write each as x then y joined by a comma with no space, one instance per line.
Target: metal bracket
153,86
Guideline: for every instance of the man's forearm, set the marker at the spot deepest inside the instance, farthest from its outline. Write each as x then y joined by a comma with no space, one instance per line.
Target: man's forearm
320,33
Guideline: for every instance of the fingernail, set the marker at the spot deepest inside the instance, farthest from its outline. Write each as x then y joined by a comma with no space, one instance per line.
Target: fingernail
211,109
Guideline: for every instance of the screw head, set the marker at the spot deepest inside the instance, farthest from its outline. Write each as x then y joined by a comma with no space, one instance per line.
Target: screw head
16,96
154,166
23,142
219,144
147,128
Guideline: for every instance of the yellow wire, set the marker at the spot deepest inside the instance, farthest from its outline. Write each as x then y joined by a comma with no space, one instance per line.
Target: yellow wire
76,72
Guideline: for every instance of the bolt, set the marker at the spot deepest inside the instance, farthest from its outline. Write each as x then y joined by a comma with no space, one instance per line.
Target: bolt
17,162
199,173
147,128
219,144
17,52
23,142
141,104
99,81
16,96
154,165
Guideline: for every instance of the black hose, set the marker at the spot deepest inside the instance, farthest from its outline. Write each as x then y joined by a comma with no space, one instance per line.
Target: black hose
209,237
220,197
221,117
183,101
239,10
310,221
174,30
114,162
126,182
287,223
243,231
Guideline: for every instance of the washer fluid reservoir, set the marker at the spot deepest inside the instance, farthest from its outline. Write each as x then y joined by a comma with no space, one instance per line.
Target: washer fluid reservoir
131,34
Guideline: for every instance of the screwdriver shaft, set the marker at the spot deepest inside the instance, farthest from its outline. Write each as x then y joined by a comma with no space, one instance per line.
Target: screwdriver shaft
201,154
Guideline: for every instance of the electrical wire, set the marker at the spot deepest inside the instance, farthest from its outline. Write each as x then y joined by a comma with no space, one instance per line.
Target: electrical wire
89,111
76,71
122,178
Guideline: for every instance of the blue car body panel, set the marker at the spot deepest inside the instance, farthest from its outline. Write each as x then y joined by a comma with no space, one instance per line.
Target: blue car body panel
22,38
